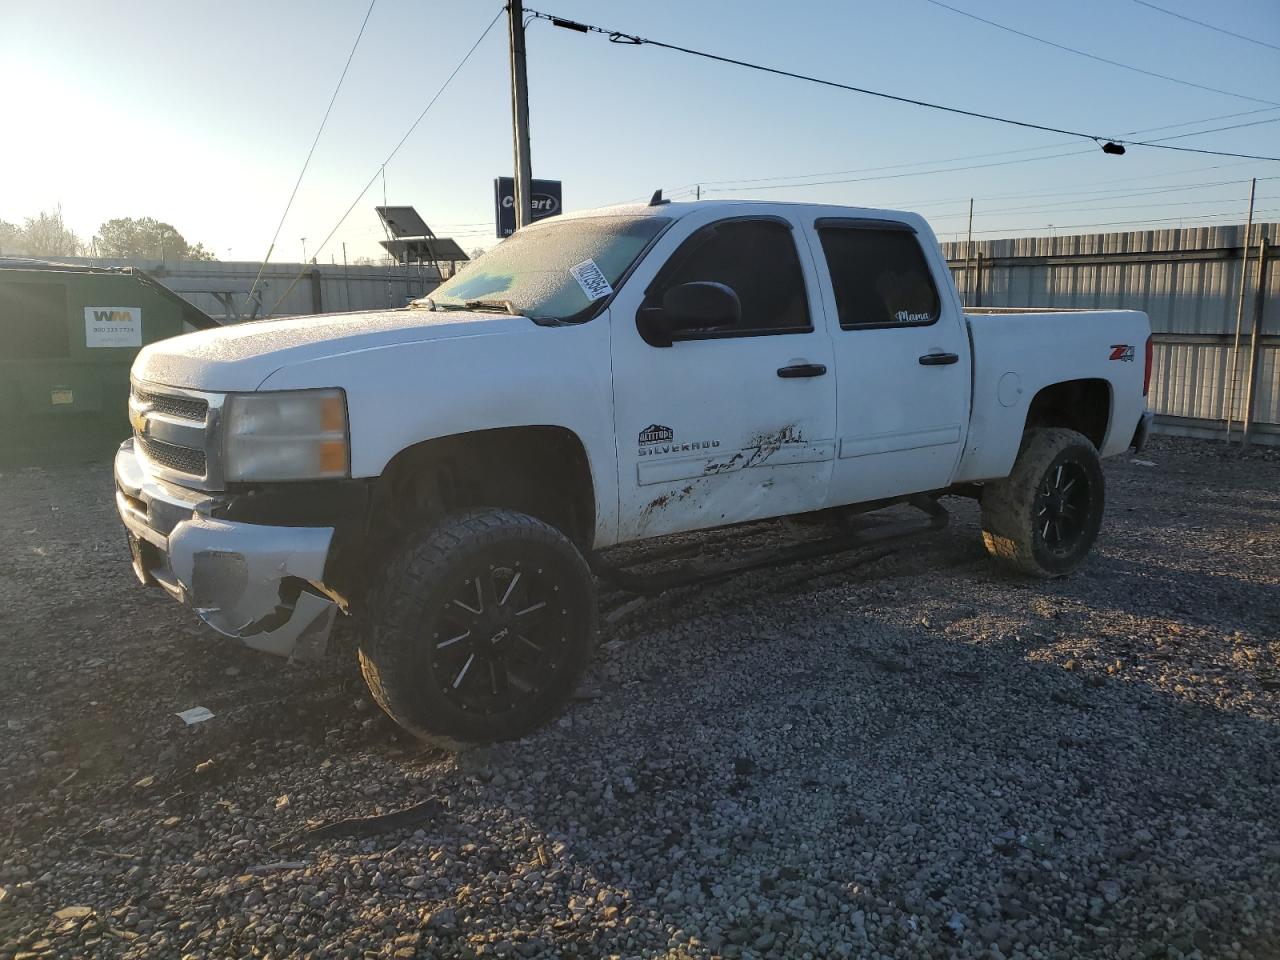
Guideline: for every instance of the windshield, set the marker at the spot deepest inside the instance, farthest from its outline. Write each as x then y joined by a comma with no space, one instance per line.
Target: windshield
554,272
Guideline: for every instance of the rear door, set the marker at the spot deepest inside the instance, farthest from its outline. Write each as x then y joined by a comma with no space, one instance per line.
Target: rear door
731,425
902,360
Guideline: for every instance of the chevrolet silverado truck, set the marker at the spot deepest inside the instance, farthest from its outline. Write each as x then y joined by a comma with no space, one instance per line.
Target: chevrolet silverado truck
445,474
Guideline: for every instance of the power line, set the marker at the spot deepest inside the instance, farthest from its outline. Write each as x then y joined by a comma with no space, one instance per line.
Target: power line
888,166
979,166
738,182
1199,133
617,36
1121,223
899,176
1095,189
1093,56
1208,26
1052,207
307,162
413,126
1087,197
982,156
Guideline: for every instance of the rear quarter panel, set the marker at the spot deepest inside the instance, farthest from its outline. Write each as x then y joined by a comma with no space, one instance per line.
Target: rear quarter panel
1017,355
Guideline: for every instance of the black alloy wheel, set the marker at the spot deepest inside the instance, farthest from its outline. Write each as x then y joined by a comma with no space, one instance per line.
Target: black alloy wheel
501,636
480,627
1062,506
1043,518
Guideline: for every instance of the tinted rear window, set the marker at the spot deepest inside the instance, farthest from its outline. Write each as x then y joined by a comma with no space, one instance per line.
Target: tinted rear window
880,278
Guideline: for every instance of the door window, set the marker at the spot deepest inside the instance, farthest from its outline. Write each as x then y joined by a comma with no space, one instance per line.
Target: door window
880,277
758,260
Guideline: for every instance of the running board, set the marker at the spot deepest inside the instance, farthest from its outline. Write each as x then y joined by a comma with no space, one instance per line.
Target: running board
651,585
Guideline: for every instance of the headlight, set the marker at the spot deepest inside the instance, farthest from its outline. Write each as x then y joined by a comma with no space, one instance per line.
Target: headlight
285,435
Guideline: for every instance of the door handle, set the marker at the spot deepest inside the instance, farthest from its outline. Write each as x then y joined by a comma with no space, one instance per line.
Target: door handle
939,359
802,370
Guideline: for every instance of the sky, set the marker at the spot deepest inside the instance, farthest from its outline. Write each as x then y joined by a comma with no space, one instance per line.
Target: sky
201,115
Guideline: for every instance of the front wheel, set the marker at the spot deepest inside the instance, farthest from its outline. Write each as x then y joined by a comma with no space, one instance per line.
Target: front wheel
481,627
1044,517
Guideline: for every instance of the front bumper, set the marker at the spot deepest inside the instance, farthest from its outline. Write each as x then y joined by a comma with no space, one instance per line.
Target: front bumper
257,583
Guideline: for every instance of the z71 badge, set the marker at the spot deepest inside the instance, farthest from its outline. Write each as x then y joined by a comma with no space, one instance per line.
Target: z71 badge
1122,351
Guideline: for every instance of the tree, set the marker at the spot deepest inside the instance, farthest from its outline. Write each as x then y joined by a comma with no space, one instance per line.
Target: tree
47,236
146,238
12,242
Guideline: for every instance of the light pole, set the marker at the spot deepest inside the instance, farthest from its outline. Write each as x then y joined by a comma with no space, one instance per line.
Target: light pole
304,249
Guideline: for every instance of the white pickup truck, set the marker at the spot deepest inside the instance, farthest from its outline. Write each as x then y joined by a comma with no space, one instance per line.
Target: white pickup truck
444,473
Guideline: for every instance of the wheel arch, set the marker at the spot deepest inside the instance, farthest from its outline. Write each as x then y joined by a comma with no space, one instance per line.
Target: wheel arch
542,470
1083,405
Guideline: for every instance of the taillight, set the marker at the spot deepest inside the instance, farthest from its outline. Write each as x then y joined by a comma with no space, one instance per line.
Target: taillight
1146,374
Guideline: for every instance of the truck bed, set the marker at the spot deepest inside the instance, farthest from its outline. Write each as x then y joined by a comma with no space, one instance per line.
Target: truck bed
1017,353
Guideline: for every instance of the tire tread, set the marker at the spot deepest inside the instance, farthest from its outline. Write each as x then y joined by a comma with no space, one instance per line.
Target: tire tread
400,597
1007,527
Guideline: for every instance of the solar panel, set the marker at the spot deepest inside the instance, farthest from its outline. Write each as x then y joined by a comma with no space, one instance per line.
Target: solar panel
404,222
424,248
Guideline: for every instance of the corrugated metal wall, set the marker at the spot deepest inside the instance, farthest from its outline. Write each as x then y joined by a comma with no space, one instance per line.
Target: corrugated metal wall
1186,280
221,288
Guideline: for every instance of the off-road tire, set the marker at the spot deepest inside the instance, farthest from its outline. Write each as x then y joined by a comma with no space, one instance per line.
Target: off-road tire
403,618
1013,527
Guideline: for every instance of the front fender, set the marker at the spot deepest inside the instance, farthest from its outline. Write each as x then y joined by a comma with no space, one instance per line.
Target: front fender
400,396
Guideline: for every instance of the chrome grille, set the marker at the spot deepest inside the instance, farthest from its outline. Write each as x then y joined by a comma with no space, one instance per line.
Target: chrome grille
185,408
181,459
177,431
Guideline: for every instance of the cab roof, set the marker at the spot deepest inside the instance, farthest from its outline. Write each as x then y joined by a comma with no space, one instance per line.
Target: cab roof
678,209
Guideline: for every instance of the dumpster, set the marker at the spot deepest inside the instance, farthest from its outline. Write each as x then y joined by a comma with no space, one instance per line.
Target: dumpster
68,336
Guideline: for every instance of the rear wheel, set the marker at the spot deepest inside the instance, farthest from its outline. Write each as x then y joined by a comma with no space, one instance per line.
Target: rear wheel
481,627
1044,517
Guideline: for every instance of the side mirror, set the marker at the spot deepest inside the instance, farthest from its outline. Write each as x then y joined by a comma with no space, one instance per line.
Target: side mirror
701,305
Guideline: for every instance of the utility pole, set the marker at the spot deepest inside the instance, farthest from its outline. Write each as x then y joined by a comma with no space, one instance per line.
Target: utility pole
699,193
1255,342
1229,401
304,249
968,256
346,274
520,114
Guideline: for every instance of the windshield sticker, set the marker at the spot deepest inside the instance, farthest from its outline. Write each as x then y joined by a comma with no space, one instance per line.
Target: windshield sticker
591,280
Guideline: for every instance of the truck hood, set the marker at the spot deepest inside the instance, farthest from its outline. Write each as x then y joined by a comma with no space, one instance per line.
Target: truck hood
241,356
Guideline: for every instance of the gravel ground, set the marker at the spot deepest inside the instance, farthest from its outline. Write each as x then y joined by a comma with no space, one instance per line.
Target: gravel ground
917,756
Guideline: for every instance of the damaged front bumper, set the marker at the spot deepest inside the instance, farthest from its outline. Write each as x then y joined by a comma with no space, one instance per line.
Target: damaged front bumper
260,584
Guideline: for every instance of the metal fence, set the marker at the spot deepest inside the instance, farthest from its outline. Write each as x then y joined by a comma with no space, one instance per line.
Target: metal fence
221,289
1187,280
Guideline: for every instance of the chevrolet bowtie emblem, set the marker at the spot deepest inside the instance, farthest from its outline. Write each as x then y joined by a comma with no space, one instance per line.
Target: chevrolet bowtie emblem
139,420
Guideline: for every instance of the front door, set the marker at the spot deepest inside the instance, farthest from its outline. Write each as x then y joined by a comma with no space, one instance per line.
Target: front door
902,362
727,425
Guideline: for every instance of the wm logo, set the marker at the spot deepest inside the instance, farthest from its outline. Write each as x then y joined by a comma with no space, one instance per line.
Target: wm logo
112,316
